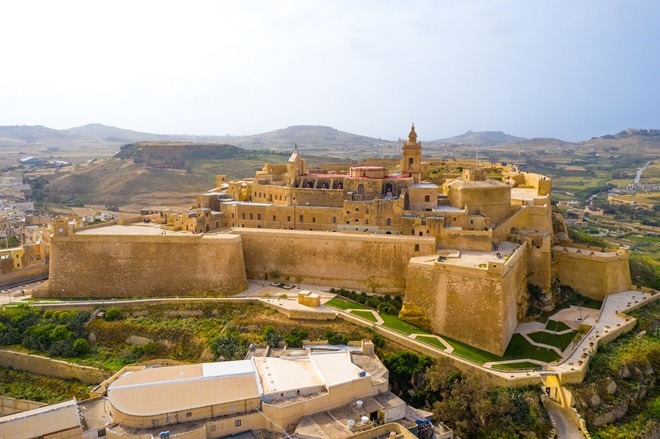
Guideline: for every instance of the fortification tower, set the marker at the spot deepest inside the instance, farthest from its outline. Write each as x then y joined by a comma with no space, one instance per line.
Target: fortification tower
411,162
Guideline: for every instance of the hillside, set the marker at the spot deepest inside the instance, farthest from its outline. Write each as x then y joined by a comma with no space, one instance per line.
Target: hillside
152,173
480,138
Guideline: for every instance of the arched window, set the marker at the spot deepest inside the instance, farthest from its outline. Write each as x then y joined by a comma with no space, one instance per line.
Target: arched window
360,189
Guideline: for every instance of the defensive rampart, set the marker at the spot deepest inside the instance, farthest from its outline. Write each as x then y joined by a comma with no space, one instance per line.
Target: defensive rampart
592,273
486,298
133,265
367,262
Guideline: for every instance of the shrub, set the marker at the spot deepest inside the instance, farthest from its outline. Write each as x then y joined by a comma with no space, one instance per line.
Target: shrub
113,313
81,346
295,338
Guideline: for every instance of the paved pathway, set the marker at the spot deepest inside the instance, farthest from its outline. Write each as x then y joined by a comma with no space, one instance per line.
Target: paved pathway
564,425
605,321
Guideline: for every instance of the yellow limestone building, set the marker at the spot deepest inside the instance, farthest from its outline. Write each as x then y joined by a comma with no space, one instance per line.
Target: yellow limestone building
461,253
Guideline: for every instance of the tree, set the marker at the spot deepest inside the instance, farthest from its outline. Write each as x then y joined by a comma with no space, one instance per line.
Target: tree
112,313
271,336
295,338
81,346
229,346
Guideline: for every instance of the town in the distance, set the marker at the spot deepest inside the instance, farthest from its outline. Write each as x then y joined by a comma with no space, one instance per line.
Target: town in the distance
324,295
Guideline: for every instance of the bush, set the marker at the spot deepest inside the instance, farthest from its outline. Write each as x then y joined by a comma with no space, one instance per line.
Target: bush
271,336
295,338
113,313
335,338
81,346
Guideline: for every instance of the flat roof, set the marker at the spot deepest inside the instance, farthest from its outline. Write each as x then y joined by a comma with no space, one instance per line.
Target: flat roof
161,390
337,368
285,374
41,421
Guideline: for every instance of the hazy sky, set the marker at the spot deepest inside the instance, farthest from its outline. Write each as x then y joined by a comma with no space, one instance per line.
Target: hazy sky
568,69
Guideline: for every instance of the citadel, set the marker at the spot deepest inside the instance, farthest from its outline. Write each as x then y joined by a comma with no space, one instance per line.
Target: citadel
461,252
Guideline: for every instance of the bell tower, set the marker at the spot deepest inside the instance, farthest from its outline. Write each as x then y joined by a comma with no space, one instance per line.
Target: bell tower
411,162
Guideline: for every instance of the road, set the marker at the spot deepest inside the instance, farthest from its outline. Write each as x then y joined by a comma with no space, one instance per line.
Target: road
13,294
566,428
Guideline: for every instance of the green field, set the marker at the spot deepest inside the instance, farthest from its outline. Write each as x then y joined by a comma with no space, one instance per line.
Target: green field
517,366
560,341
367,315
344,304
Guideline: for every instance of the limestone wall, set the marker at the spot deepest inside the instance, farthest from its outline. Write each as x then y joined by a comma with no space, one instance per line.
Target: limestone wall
49,367
591,273
477,306
10,406
125,265
30,273
367,262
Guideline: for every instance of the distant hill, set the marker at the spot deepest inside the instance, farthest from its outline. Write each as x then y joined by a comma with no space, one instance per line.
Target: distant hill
31,134
481,138
309,135
152,173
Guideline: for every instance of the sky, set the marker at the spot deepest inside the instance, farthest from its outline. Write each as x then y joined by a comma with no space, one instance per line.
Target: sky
566,69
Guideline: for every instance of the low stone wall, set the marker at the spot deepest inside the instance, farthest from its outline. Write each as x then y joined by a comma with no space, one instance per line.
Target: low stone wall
10,406
49,367
30,273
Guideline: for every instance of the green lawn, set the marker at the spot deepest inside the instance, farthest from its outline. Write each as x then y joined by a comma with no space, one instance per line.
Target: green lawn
593,304
518,365
432,341
556,326
521,348
558,340
336,302
367,315
397,324
471,353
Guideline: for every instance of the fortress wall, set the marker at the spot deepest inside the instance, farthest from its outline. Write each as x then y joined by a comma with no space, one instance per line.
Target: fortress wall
32,272
367,262
454,300
594,276
466,239
517,219
129,265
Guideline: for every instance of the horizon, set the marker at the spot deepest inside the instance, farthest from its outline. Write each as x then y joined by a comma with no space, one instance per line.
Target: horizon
564,70
334,128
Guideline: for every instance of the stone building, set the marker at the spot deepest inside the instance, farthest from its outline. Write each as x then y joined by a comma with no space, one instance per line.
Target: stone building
461,252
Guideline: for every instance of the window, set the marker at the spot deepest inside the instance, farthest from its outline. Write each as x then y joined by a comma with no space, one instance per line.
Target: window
427,198
412,231
360,189
101,433
251,216
259,216
188,414
367,211
243,215
313,219
411,161
288,218
237,423
416,247
232,215
301,219
334,220
274,218
388,221
357,209
366,221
